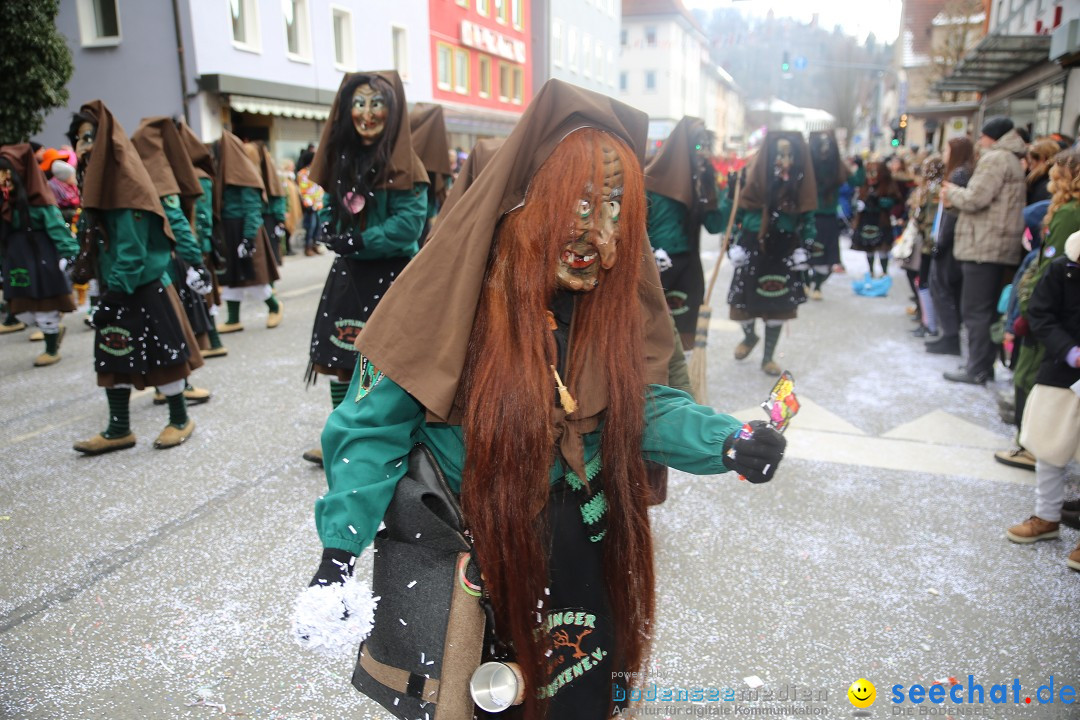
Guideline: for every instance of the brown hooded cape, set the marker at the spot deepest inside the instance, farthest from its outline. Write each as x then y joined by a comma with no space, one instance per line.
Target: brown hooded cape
115,178
234,168
166,159
669,173
843,172
419,333
38,192
428,129
269,172
755,191
197,151
405,169
478,159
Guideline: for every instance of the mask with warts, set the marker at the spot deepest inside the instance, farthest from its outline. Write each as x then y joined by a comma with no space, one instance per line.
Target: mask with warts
369,113
594,230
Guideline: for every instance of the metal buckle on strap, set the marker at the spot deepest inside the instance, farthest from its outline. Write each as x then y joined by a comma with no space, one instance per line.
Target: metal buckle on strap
401,681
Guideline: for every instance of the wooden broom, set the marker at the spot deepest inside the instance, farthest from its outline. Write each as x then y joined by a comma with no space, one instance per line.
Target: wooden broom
698,379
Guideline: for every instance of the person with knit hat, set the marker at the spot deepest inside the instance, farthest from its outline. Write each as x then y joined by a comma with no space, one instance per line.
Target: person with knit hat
771,252
250,265
374,213
142,337
527,348
37,246
166,160
988,236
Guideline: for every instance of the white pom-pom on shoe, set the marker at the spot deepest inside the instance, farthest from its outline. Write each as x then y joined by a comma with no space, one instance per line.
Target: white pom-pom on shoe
334,619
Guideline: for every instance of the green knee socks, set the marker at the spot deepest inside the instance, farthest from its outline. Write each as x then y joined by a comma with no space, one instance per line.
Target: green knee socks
178,416
233,309
52,343
215,339
772,337
119,413
272,304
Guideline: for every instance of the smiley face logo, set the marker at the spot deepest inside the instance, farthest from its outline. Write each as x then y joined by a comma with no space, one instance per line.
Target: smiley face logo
862,693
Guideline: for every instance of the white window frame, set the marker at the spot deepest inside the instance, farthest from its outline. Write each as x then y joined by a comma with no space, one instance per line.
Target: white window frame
572,49
447,86
461,84
510,84
517,14
598,61
612,69
88,34
557,51
348,47
586,55
254,45
517,84
403,51
303,31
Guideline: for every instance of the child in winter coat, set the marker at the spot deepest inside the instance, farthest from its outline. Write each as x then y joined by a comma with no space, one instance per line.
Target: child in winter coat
1051,425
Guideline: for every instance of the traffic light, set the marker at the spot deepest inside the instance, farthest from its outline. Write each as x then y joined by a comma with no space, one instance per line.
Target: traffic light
785,64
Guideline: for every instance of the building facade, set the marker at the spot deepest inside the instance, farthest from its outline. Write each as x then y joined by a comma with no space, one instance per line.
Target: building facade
577,41
481,65
665,68
264,69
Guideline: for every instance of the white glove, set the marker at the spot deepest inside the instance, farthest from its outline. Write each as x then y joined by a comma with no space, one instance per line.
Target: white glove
199,281
63,264
800,260
860,206
738,255
663,260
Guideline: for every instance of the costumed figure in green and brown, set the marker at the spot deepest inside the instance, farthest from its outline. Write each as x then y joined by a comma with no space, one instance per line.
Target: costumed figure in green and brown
170,168
830,172
681,188
250,267
36,246
275,205
432,147
142,336
374,211
527,348
771,251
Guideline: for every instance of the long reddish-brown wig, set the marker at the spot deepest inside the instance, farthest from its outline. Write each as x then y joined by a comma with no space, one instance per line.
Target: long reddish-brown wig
508,396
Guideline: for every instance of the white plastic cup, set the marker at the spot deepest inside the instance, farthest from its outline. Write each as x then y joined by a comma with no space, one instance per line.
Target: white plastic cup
496,686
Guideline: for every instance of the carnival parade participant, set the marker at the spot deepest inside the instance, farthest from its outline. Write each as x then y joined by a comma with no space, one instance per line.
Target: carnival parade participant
142,336
374,212
36,246
772,249
830,173
203,226
430,144
680,185
275,204
542,400
170,168
250,267
878,194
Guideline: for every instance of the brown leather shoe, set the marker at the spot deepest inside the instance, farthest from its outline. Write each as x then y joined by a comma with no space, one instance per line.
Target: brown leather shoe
193,395
172,436
229,328
314,456
744,348
215,352
13,327
771,368
274,318
1032,530
309,251
1073,560
36,336
46,359
99,444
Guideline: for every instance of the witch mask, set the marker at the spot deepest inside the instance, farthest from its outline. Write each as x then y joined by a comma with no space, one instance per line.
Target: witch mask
369,113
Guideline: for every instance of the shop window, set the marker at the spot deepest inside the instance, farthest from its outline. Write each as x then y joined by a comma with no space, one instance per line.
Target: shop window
484,64
400,46
297,32
344,55
444,73
99,23
461,71
245,24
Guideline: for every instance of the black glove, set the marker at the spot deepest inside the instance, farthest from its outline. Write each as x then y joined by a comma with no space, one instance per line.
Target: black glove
755,457
341,243
108,308
246,248
336,565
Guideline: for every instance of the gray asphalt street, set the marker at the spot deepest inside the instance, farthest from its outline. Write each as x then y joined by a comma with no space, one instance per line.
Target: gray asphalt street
159,584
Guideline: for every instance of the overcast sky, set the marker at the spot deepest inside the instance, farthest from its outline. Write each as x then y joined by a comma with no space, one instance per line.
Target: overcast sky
857,17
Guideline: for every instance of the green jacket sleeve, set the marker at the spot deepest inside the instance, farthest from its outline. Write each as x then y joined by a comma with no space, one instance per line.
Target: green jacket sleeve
246,203
406,215
186,246
50,219
858,178
204,215
278,207
715,221
681,434
127,248
366,443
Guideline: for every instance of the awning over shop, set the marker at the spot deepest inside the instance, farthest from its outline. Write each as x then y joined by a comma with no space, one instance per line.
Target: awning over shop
994,60
278,108
482,123
943,111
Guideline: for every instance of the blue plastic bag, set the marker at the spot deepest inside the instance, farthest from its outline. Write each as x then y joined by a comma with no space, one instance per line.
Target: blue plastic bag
872,287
